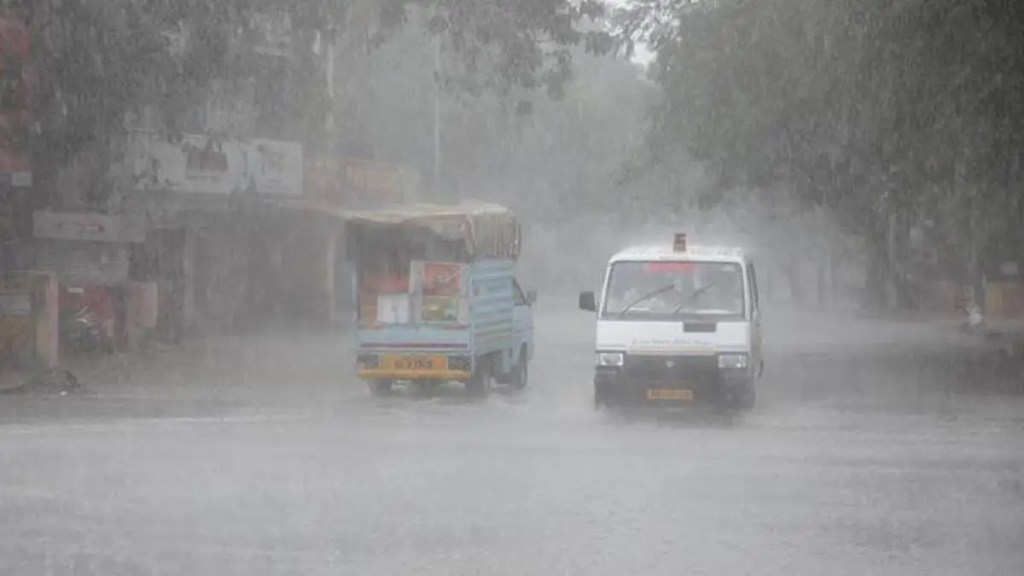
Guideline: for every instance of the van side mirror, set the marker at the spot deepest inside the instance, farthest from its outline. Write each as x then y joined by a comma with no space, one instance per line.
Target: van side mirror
588,302
531,297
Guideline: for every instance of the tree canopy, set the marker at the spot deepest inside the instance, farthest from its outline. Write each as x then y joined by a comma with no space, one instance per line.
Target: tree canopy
866,107
98,63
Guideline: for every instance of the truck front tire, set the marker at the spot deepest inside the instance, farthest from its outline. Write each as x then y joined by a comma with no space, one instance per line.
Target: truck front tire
381,388
479,384
521,372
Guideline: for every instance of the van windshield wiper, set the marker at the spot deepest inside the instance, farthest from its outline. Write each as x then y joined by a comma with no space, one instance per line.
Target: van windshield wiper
693,297
648,296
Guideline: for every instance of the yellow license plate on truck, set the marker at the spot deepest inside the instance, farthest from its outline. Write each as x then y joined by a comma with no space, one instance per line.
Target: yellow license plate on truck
414,363
670,394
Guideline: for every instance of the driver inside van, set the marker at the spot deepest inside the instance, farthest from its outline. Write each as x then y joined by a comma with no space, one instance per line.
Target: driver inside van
725,290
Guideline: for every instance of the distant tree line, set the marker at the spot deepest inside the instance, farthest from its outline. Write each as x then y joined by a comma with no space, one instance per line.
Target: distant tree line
887,115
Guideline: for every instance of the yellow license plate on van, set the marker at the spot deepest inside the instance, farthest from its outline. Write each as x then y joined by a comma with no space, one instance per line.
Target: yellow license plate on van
684,395
414,363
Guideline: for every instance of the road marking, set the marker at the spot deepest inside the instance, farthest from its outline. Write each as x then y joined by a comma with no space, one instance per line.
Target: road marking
121,424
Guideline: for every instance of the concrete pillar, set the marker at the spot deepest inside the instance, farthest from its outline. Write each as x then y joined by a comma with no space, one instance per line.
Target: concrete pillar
330,286
47,320
188,280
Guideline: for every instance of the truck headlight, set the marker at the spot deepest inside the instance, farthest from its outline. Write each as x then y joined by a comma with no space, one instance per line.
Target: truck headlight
733,361
611,359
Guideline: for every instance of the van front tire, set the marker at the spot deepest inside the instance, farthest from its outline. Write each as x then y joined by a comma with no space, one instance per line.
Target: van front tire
602,403
742,400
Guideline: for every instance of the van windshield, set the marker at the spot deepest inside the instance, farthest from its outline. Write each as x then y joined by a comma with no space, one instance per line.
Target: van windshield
674,290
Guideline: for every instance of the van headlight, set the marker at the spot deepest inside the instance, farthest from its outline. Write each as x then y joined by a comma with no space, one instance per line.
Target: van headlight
611,359
733,361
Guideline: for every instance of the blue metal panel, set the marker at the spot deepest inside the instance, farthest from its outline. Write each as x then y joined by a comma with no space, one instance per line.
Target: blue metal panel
491,306
413,338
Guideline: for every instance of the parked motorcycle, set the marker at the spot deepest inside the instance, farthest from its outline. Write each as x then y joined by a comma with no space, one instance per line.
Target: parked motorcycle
82,333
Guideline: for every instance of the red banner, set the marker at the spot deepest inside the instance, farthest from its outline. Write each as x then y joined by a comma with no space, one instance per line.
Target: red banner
16,97
354,183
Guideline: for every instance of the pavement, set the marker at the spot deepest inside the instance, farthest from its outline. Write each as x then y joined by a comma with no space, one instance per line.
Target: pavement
878,447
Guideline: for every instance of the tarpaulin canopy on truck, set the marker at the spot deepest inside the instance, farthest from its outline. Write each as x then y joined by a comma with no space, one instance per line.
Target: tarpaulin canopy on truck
485,230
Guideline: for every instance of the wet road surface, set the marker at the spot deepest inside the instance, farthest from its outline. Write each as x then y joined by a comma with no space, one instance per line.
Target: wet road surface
259,457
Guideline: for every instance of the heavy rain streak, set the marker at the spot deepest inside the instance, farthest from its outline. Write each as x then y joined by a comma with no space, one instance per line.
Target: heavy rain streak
595,287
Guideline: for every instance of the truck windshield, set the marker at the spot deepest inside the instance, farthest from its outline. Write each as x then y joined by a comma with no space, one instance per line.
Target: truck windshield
674,290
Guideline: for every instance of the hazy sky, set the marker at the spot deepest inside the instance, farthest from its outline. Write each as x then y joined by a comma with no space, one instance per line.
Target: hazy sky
641,55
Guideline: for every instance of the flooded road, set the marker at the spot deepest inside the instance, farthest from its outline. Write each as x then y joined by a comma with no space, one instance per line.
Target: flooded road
261,457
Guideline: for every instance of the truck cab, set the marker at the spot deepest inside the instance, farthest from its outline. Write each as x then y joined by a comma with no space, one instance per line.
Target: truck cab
677,324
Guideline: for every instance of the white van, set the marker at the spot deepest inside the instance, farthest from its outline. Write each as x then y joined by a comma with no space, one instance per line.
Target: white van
677,324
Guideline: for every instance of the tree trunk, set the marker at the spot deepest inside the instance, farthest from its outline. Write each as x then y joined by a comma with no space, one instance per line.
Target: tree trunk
876,289
835,273
822,280
791,268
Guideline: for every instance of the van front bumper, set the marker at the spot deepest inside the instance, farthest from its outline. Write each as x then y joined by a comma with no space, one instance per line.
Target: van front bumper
669,380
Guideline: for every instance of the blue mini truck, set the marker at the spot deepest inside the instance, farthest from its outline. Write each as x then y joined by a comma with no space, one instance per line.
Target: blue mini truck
437,297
